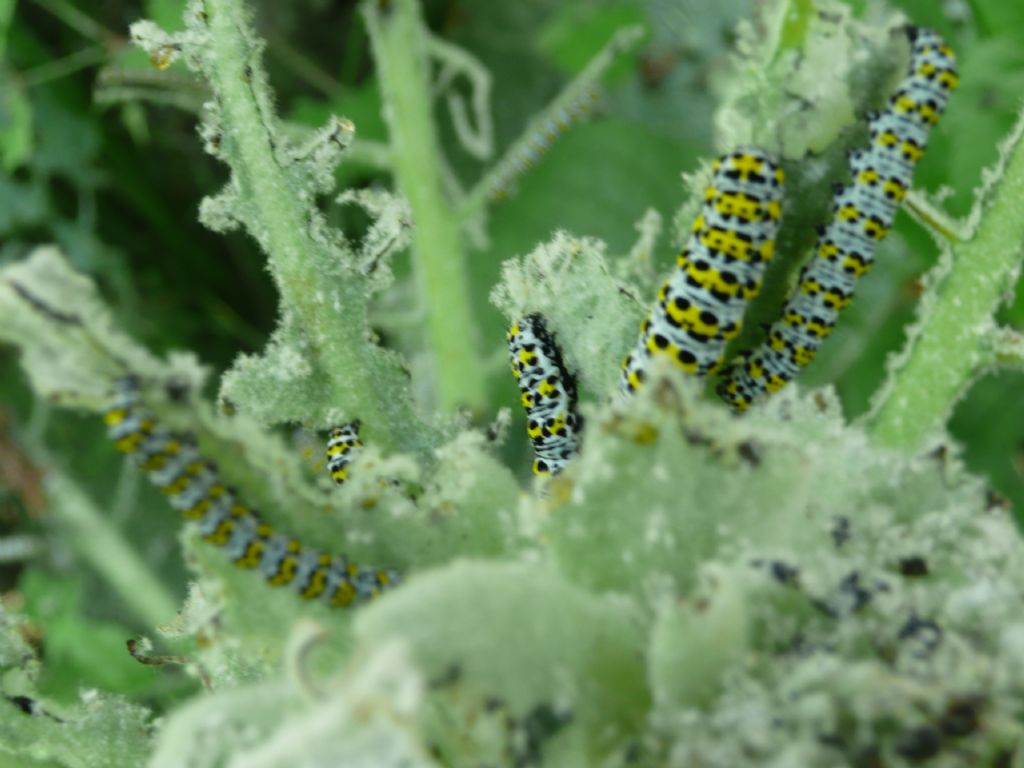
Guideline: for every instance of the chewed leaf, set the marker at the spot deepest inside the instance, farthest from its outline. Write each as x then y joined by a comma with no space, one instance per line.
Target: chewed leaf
798,82
70,345
571,650
594,314
97,730
389,233
711,626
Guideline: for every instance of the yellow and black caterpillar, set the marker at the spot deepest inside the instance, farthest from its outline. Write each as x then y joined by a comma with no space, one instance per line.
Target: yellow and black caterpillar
343,445
194,488
863,213
548,393
700,306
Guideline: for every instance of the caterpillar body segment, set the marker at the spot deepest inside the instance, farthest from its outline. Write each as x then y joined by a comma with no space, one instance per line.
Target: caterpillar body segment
548,393
194,487
700,306
862,215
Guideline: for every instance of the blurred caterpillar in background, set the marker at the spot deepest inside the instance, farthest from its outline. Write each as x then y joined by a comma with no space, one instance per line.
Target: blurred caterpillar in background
548,393
342,446
194,488
542,136
863,213
700,307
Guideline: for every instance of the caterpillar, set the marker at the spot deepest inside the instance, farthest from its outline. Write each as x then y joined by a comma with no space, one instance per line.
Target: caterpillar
548,393
342,446
700,306
528,151
194,487
862,214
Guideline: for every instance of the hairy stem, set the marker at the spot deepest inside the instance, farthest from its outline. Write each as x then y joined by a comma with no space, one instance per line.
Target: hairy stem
361,378
953,340
399,42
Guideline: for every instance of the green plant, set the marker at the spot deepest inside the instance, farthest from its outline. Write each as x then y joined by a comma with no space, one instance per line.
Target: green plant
785,588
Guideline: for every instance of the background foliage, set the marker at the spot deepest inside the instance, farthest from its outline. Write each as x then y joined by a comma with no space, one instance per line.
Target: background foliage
117,183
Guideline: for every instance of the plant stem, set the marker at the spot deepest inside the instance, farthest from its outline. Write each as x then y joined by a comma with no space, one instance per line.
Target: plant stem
81,22
302,66
399,42
795,25
92,535
361,377
953,339
68,65
105,550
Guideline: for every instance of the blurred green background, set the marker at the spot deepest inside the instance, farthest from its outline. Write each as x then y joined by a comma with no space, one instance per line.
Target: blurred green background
117,184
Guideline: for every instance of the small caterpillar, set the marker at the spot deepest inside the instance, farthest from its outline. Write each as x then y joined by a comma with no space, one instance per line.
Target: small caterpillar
342,446
863,213
544,134
194,488
700,306
548,393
